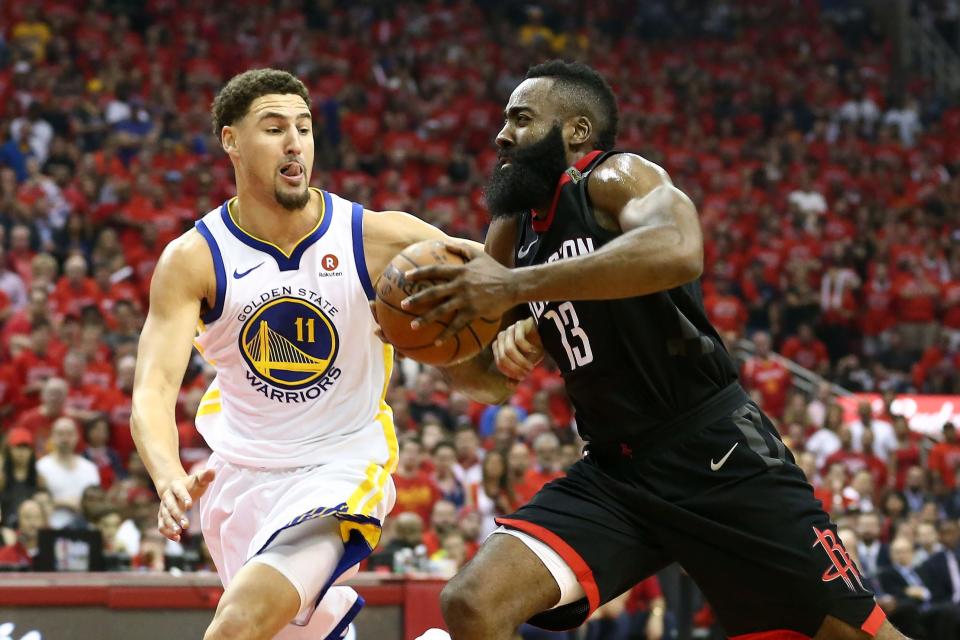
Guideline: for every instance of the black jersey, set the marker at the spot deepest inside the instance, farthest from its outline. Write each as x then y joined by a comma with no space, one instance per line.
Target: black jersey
636,369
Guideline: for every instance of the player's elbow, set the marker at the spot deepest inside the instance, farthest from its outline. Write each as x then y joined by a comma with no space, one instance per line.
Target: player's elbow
687,264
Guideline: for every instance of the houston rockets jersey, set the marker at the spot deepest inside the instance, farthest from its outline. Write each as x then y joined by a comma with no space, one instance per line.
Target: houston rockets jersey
301,377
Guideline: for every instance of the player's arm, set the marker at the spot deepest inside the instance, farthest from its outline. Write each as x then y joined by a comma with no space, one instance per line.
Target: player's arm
183,277
660,247
387,233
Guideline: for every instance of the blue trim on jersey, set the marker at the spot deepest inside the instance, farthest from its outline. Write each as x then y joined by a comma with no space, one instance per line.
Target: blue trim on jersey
218,270
284,263
358,256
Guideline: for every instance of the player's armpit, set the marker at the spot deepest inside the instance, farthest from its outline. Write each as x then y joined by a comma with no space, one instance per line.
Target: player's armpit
183,277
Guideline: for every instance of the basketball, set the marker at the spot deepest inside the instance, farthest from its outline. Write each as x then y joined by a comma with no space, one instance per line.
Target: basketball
393,288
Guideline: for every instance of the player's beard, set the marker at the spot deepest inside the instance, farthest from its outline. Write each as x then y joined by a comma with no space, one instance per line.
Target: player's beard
292,201
531,179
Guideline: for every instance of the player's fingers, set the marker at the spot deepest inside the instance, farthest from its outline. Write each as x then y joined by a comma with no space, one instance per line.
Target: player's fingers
428,297
373,310
206,476
182,494
459,321
172,504
505,365
433,272
167,525
436,313
532,353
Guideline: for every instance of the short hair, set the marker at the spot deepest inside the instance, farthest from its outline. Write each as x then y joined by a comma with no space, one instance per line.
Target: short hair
587,93
233,101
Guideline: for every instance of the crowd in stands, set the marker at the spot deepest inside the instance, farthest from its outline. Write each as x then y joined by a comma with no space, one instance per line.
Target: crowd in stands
827,188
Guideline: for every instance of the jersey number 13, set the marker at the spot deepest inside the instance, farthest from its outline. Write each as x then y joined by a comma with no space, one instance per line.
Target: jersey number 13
565,317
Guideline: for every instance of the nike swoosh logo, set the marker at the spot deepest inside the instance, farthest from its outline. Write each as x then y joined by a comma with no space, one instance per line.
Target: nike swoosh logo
522,253
715,466
237,275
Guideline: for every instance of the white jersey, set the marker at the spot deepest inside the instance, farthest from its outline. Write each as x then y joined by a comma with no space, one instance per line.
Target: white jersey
301,377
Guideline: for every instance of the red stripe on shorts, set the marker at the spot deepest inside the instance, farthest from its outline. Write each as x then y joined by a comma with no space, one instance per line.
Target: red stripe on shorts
580,568
874,621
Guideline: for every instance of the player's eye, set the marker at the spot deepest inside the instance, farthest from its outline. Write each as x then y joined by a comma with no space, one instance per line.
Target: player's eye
304,131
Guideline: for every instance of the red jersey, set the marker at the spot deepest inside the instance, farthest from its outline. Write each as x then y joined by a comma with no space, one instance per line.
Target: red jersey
417,493
771,379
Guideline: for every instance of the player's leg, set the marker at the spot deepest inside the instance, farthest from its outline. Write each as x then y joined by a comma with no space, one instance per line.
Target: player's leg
739,515
501,588
258,603
285,580
574,547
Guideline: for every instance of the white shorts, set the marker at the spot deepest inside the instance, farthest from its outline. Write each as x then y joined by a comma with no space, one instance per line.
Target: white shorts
245,510
570,588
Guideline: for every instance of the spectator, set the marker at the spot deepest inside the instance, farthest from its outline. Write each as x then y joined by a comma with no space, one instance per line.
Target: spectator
399,553
65,473
902,581
30,519
884,437
39,420
915,488
20,479
825,441
874,555
468,468
99,452
809,352
493,496
11,284
415,491
928,543
443,519
944,457
766,375
444,477
93,503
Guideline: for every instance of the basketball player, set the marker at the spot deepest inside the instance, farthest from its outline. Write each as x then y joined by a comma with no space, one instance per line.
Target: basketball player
605,254
279,280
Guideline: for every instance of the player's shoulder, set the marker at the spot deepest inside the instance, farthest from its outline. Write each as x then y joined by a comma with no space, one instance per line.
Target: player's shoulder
626,165
186,262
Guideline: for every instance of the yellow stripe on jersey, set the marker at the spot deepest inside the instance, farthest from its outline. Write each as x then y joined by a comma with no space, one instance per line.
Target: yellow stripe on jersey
385,418
206,409
323,213
211,394
368,485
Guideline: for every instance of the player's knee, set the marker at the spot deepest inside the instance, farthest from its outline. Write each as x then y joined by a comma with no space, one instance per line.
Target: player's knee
467,609
235,622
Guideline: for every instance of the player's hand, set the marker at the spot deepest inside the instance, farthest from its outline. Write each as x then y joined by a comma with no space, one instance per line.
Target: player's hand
481,286
517,349
177,498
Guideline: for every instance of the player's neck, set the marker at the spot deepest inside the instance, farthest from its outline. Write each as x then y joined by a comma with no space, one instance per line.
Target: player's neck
266,220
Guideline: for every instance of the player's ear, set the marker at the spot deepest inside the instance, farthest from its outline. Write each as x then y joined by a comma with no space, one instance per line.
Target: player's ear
228,139
581,130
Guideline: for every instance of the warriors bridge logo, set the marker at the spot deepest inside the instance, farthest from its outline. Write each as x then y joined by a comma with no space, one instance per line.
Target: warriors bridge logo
290,345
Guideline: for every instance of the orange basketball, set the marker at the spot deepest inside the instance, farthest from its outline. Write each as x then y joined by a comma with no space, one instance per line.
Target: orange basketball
393,288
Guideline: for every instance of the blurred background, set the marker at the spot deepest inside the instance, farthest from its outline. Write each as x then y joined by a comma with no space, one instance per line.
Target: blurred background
818,138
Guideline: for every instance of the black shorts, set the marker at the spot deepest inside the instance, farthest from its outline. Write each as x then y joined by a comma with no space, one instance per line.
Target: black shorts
729,504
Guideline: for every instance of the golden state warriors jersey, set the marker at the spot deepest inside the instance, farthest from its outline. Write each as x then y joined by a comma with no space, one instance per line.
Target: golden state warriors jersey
301,377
